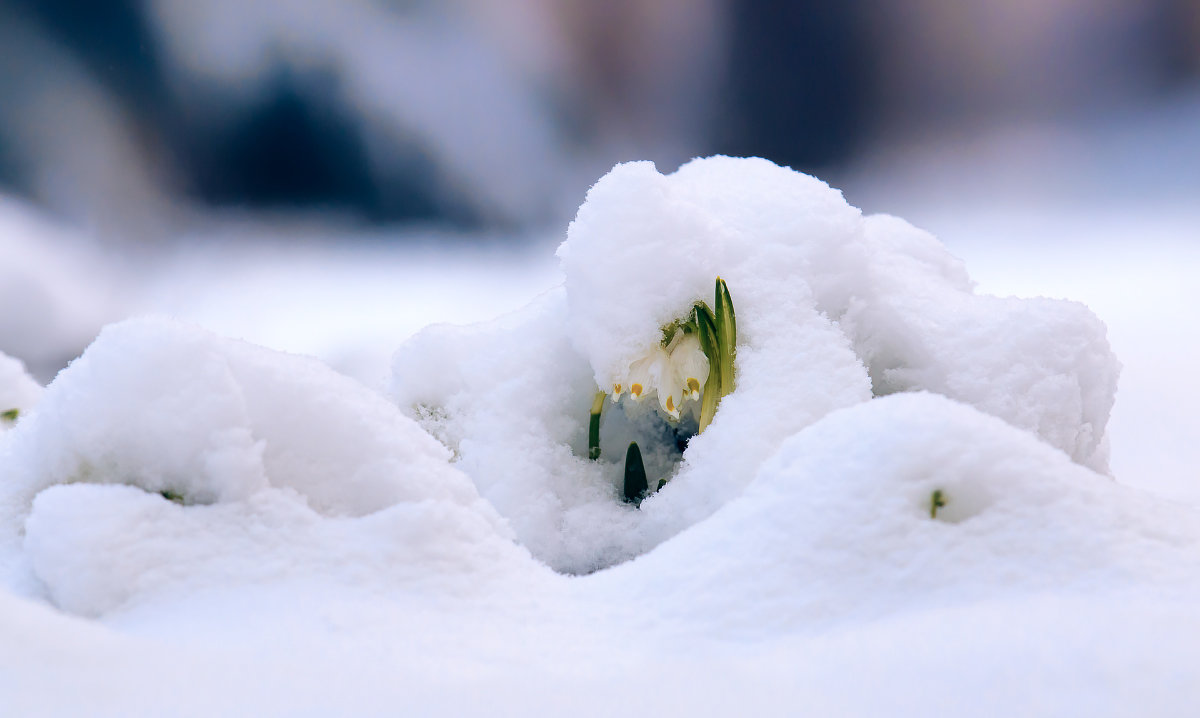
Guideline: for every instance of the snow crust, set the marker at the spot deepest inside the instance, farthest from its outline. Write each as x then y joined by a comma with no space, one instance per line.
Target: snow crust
833,308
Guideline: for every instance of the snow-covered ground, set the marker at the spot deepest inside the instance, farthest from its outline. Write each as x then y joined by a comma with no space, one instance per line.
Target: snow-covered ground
322,554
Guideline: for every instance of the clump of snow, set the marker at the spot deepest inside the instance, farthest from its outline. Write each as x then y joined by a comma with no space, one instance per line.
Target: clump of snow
1043,365
832,309
264,455
645,246
18,391
839,526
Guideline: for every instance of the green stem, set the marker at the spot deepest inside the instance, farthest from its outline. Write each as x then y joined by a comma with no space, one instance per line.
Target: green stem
706,331
594,426
726,334
936,501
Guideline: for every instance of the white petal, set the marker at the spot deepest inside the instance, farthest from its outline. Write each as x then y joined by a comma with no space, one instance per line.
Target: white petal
690,365
646,373
670,399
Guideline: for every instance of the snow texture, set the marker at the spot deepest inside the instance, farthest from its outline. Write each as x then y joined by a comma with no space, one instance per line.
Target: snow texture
263,455
839,528
832,308
17,390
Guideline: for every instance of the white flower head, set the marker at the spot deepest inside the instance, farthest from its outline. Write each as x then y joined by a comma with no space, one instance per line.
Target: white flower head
675,373
690,364
670,392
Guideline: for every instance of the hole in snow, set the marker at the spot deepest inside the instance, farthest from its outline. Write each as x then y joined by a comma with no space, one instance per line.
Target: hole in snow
958,501
660,441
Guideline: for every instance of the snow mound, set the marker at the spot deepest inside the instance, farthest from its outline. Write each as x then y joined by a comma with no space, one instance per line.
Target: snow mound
840,525
1043,365
256,450
832,309
646,246
97,548
17,391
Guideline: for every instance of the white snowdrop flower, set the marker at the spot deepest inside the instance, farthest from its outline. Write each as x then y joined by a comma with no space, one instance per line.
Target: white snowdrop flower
672,374
670,391
646,373
690,364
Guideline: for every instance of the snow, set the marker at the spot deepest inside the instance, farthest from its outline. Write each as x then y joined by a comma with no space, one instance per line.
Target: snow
18,390
271,442
831,306
324,549
854,490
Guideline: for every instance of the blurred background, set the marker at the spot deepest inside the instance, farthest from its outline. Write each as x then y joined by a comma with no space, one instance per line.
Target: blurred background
128,116
327,177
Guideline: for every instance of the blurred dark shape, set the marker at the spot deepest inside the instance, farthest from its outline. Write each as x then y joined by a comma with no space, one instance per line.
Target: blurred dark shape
293,149
799,82
300,149
1178,23
111,39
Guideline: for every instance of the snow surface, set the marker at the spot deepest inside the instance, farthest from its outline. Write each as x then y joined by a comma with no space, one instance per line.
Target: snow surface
261,444
18,390
323,554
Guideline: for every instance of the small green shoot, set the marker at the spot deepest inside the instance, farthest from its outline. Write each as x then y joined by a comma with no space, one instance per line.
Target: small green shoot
635,476
936,501
726,334
10,415
170,495
594,426
706,331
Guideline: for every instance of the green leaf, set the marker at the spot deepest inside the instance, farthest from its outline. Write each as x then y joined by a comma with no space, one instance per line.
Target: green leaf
635,476
726,334
10,415
706,331
668,333
594,426
936,501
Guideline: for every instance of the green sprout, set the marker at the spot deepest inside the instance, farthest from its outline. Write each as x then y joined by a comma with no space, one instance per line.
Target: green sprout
726,335
10,415
936,501
594,426
636,486
718,339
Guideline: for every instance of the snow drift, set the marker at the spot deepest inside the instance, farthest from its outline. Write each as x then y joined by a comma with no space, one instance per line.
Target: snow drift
833,308
903,502
232,463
